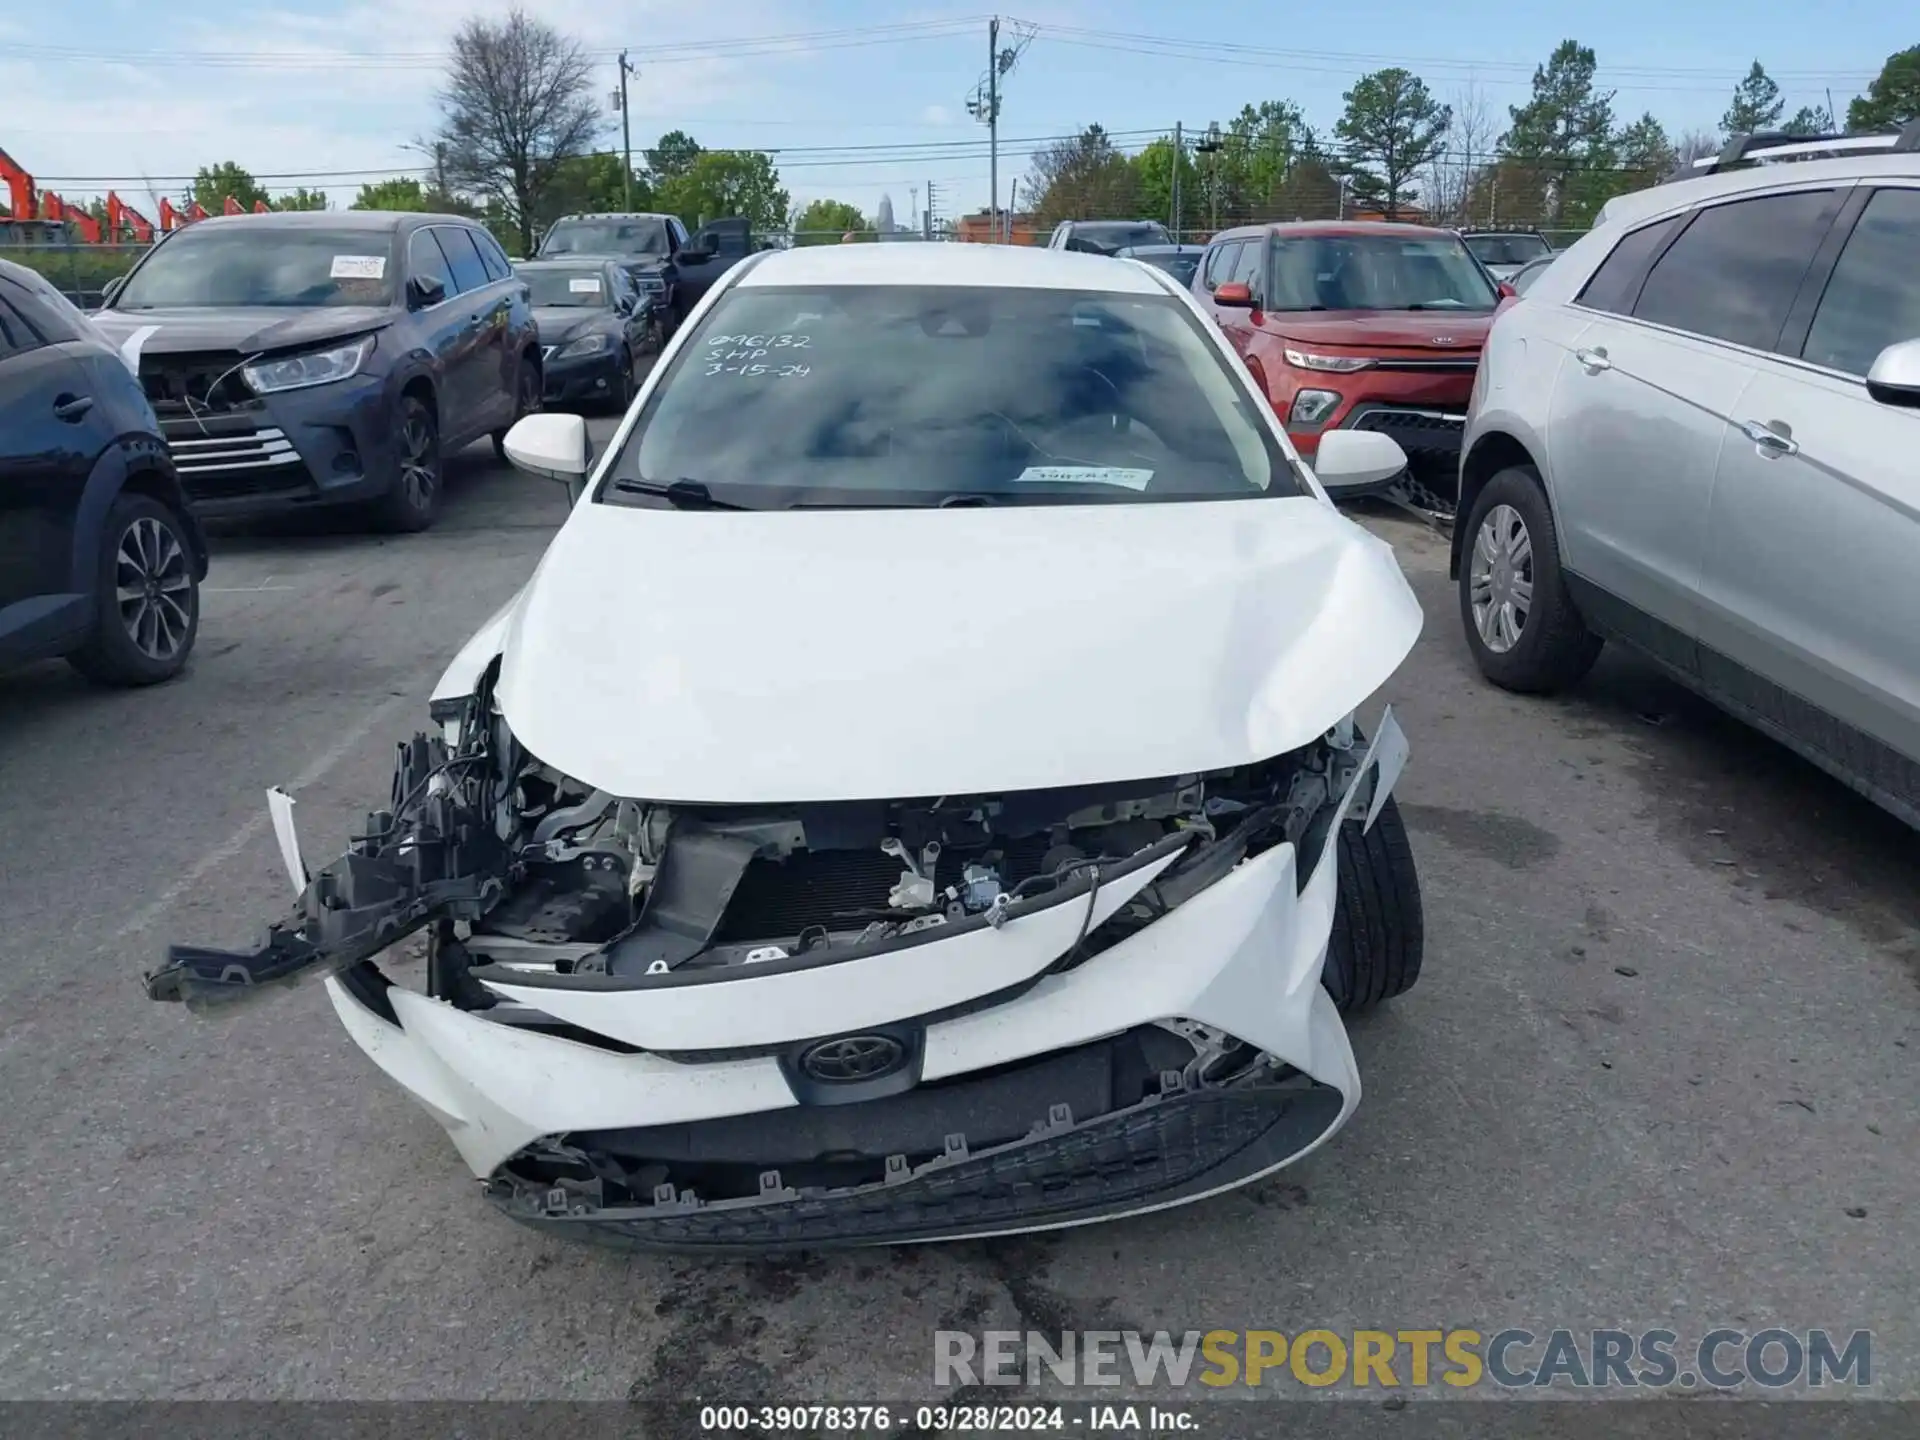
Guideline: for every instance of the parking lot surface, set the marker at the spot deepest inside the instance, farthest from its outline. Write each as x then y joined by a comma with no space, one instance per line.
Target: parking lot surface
1660,1069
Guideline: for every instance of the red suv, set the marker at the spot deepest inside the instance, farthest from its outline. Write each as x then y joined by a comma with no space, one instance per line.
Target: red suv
1358,326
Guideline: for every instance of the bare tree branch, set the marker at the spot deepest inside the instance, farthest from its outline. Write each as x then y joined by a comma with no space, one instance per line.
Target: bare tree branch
1471,142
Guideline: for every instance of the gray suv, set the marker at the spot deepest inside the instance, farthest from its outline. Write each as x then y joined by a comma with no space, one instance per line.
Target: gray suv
1695,435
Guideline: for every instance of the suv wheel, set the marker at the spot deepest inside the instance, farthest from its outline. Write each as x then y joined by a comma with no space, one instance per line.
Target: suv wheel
1521,624
528,396
147,601
415,497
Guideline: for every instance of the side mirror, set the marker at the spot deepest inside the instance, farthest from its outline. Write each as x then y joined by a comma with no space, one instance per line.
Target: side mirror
1507,292
1350,462
1895,376
114,287
1233,293
423,292
550,445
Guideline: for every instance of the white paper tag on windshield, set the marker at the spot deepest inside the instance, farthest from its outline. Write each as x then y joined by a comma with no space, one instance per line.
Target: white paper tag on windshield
359,267
1084,475
588,286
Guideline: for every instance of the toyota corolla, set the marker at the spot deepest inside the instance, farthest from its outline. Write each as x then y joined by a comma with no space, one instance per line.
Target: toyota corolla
921,792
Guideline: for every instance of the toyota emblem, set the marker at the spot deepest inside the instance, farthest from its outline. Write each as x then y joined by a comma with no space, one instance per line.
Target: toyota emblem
852,1057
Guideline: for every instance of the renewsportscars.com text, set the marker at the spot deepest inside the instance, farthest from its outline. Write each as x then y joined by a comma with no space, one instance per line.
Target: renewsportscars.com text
1721,1359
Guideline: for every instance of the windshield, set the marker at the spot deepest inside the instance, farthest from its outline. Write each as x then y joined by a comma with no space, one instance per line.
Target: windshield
1107,237
1507,249
584,287
263,266
1377,272
904,396
1181,267
644,236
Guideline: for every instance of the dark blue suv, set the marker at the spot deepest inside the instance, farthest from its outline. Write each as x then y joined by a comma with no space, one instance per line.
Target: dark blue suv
100,558
327,357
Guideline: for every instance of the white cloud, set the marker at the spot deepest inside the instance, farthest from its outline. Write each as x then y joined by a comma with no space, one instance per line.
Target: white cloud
937,115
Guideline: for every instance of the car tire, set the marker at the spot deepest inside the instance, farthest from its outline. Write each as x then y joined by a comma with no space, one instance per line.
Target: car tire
1379,926
528,398
414,500
147,598
1529,639
623,392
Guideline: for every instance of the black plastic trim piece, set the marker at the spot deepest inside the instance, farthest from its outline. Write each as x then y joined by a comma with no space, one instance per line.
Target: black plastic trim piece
812,960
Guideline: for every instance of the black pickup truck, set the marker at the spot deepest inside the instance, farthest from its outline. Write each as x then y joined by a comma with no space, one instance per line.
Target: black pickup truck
674,269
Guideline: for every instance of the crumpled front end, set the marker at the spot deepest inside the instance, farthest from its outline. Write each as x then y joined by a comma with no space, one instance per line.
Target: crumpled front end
855,1022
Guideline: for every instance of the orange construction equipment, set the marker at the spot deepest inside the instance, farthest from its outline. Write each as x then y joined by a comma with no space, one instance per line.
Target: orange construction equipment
260,208
52,207
196,211
20,204
122,217
233,206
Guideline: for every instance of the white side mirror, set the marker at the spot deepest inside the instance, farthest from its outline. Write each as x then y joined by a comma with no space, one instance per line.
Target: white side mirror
1352,461
552,446
1895,376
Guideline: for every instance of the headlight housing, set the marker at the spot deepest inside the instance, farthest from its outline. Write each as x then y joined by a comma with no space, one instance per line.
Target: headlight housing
316,367
1337,364
1310,407
585,345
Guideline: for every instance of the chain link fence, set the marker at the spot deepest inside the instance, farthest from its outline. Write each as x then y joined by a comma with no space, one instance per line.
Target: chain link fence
80,272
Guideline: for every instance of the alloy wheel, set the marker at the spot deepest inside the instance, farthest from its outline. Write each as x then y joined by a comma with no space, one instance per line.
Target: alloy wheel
153,587
419,466
1500,579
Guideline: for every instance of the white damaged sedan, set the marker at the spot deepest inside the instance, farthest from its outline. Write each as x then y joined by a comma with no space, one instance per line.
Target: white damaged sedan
920,793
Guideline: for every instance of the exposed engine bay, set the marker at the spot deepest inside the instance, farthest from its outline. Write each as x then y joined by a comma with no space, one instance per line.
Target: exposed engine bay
518,871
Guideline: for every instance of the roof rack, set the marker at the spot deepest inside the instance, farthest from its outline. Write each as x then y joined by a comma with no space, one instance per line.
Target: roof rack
1777,145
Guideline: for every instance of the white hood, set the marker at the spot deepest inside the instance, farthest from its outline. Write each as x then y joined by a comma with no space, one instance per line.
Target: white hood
796,655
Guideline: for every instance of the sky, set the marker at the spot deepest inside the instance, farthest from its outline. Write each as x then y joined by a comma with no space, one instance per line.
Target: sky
857,100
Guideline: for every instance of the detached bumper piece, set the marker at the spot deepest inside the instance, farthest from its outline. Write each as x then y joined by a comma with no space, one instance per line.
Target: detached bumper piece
681,1187
430,856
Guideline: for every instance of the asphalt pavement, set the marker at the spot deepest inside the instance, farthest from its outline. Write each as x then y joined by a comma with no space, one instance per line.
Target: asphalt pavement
1660,1070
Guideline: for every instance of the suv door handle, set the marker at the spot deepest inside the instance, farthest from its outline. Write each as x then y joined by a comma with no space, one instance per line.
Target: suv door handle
1594,360
1771,440
72,407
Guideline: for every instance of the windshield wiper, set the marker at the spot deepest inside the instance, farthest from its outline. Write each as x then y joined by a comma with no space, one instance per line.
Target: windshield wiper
681,494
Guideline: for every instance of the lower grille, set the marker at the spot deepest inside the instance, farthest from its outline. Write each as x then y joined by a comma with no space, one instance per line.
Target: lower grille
1164,1150
239,462
841,887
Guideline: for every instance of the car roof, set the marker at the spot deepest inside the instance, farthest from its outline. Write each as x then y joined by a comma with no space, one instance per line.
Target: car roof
1133,250
1009,266
372,221
1674,195
613,215
1310,229
568,262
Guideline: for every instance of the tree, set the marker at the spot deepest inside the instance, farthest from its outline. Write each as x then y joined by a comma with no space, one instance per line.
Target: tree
1756,105
403,192
1392,128
1258,152
823,222
1085,178
719,184
1643,156
302,199
1558,141
519,103
215,183
592,183
1894,96
1809,120
1153,170
1466,153
673,155
1694,145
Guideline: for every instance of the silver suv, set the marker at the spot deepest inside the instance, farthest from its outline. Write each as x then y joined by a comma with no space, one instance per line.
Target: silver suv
1698,434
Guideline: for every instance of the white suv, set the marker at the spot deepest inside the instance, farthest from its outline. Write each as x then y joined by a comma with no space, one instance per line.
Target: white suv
1698,433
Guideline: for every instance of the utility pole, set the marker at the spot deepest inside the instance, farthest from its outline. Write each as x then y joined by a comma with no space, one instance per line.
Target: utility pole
1210,145
993,120
1179,159
927,216
626,135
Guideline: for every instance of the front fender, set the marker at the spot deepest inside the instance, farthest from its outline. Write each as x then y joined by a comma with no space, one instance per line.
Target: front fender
135,453
460,679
